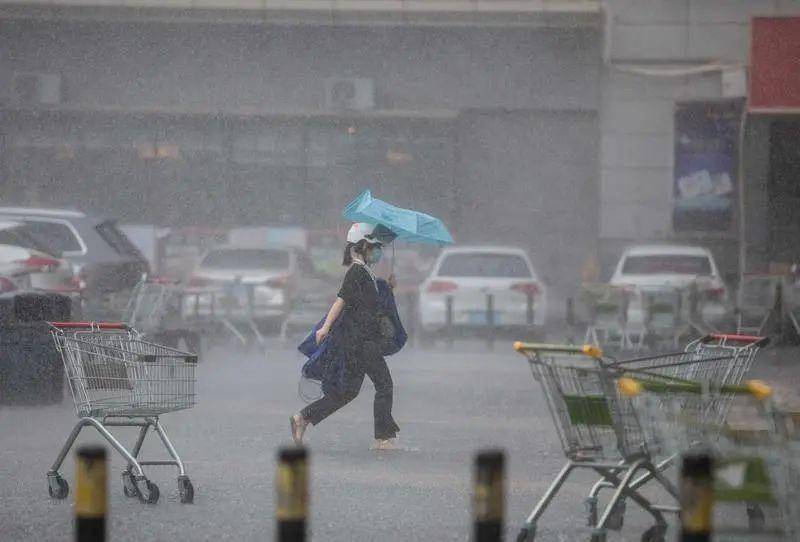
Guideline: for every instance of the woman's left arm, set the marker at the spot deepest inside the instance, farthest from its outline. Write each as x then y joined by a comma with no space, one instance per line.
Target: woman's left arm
333,314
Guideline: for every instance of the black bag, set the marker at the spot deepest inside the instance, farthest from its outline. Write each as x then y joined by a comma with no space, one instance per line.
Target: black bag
385,326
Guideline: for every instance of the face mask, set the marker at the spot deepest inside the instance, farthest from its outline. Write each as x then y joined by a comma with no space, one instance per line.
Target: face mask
375,255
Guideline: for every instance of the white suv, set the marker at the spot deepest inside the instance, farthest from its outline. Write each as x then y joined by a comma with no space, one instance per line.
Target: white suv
468,275
658,267
30,264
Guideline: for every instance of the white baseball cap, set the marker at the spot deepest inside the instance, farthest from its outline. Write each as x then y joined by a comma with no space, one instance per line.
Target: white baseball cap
362,230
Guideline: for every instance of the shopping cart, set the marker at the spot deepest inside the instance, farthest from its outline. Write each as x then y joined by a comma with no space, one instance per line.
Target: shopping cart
716,359
119,380
598,429
607,308
757,465
231,308
150,303
155,310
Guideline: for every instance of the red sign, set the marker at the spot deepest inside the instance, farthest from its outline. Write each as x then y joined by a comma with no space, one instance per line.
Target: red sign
775,64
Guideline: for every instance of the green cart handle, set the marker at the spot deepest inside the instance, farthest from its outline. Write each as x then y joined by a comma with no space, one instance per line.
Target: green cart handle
631,387
584,349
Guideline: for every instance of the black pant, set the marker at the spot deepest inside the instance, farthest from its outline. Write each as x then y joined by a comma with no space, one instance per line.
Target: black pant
377,371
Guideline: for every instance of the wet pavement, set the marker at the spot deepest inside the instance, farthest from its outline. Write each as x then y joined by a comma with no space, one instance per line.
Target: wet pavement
449,403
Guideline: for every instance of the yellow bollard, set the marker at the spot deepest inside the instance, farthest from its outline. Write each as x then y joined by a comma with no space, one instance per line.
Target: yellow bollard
697,498
488,506
90,494
292,486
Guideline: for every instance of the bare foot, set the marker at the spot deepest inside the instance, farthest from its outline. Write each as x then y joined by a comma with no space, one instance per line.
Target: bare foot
298,424
384,444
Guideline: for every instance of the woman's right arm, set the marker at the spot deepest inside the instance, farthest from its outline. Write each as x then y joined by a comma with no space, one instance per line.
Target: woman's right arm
333,314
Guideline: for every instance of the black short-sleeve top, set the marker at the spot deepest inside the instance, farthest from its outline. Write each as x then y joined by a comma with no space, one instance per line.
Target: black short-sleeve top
360,314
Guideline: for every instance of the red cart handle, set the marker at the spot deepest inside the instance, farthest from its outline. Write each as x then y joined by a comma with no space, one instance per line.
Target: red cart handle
90,325
747,339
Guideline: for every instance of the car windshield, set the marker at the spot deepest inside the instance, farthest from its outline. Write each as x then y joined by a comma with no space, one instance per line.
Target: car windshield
247,258
658,264
484,265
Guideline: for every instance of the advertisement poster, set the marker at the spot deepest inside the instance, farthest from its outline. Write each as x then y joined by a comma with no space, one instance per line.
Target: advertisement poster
706,135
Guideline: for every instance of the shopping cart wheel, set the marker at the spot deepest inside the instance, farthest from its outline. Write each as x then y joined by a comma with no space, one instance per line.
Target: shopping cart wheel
129,485
150,494
527,533
186,490
57,487
599,535
756,520
591,511
656,533
616,519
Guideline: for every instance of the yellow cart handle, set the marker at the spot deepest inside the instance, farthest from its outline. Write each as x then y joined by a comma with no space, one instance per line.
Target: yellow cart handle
585,349
631,387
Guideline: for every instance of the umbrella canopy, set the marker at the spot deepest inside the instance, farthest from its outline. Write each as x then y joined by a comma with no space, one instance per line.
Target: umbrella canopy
408,225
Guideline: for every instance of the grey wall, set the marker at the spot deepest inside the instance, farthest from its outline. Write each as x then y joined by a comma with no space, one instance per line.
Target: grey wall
283,68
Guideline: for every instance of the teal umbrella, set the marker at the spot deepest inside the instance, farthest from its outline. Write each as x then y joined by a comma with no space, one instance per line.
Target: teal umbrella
407,225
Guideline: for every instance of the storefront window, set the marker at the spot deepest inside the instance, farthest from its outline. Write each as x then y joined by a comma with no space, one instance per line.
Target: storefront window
273,146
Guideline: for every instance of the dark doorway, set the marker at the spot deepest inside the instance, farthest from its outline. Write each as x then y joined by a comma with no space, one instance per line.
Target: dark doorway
784,191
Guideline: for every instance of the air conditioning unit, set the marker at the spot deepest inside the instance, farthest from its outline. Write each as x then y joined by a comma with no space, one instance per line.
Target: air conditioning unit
35,88
349,93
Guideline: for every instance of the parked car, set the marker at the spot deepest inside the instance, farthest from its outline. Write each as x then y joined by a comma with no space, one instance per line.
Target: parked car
28,262
8,284
409,265
649,268
468,275
244,283
103,258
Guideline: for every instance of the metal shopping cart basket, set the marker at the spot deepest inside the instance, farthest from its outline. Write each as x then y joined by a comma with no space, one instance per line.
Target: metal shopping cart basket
717,359
757,465
598,429
119,380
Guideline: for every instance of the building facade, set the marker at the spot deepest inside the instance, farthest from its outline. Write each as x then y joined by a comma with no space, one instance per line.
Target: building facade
278,114
675,106
569,127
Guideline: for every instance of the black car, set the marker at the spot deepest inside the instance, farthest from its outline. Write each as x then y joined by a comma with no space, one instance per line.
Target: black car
104,259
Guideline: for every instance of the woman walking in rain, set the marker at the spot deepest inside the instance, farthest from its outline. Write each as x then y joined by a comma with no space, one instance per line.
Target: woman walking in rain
353,324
